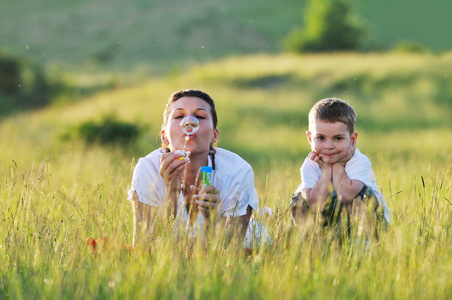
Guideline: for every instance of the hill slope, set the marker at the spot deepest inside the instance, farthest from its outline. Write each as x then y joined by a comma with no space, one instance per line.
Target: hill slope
263,103
156,35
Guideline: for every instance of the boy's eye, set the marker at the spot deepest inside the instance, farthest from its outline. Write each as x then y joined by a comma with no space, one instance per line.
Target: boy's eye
200,117
320,138
339,138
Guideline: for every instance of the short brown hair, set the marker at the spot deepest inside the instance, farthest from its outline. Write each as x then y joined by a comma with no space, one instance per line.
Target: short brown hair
333,110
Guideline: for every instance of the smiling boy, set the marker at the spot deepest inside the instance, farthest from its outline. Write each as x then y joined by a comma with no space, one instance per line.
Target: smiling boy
335,177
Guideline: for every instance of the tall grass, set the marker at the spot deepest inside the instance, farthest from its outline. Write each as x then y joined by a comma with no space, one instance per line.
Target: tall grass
54,194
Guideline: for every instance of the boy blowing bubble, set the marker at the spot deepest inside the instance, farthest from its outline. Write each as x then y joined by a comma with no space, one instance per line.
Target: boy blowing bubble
336,178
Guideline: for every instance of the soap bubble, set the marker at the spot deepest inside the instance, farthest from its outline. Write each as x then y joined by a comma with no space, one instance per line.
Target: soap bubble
189,125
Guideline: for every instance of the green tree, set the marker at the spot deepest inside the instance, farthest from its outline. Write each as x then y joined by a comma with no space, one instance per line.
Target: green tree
331,25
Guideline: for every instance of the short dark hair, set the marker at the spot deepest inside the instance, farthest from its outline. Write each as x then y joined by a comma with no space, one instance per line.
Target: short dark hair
333,110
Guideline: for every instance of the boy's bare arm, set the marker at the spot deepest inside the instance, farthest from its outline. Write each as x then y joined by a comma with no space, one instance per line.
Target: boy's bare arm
346,189
317,197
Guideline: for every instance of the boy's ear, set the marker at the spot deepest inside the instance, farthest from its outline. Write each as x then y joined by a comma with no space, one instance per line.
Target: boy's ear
308,134
354,137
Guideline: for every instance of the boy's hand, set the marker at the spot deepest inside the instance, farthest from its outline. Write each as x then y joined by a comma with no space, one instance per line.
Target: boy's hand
350,151
318,159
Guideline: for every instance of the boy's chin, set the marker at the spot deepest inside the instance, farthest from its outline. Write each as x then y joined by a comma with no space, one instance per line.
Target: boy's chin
330,160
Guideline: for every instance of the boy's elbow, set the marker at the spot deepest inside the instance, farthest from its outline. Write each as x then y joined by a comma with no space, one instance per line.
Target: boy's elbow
348,194
346,198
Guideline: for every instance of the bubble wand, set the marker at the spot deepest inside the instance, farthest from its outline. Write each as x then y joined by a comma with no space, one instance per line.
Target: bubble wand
189,126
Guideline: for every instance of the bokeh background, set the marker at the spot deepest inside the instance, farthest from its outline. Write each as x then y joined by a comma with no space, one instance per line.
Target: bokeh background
155,37
83,85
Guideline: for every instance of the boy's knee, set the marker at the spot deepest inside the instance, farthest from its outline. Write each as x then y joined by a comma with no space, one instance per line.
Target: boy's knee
357,207
299,207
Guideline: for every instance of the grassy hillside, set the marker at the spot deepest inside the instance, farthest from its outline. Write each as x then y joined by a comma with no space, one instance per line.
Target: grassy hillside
155,36
152,35
419,22
55,193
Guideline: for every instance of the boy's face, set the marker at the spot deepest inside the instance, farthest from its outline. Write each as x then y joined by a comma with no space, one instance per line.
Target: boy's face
330,140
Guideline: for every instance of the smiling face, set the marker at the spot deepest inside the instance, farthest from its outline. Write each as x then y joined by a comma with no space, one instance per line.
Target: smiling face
198,143
330,140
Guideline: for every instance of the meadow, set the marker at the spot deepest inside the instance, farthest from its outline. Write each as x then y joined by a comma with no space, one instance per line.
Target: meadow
55,193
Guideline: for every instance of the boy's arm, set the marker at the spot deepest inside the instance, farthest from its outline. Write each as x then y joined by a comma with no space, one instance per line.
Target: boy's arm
346,189
313,198
317,197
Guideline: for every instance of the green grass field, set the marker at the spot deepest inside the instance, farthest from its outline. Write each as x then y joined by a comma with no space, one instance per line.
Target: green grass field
55,193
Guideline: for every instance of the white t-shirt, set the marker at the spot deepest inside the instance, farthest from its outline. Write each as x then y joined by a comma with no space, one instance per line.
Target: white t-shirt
357,168
233,177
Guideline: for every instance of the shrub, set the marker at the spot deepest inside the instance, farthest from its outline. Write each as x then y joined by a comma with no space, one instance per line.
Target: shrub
109,130
331,25
410,47
10,77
